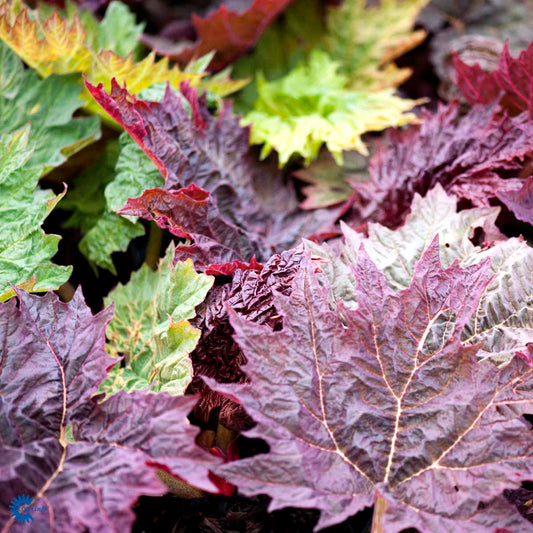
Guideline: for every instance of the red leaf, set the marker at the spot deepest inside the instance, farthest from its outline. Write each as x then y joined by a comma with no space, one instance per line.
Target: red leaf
250,210
227,32
383,404
477,86
511,82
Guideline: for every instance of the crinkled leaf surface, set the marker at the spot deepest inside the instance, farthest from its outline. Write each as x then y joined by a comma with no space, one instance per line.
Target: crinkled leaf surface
311,106
226,31
214,193
366,40
503,320
104,232
384,405
511,82
48,105
250,293
151,327
86,461
55,45
462,153
111,233
25,251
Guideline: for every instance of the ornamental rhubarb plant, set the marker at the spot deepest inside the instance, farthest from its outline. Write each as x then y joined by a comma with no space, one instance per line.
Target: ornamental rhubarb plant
293,299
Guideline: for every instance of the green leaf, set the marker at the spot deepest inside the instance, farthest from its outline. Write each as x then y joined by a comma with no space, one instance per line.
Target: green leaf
151,327
118,30
311,106
49,105
111,233
104,232
286,42
135,172
25,250
329,182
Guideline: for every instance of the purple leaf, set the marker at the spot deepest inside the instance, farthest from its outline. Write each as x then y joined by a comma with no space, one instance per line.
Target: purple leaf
463,154
520,202
258,214
88,462
251,294
383,405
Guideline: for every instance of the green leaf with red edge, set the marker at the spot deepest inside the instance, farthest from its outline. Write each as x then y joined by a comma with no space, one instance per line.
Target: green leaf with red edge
385,405
87,461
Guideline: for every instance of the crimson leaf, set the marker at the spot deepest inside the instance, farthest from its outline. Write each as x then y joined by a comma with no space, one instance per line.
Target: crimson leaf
461,153
256,212
87,462
511,82
227,32
384,405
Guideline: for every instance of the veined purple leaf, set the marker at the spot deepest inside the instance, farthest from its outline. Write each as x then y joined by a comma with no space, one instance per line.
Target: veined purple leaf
256,212
88,462
461,153
383,405
503,320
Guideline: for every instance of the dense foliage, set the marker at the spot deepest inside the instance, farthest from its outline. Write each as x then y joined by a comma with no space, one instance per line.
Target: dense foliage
287,263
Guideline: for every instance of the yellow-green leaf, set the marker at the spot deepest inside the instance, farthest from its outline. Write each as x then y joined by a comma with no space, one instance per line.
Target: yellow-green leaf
311,106
151,327
63,45
366,40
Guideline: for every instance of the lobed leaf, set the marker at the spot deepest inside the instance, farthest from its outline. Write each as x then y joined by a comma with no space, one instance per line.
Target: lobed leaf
510,83
462,153
55,45
503,320
48,105
226,31
365,40
232,207
104,232
384,405
25,251
151,327
87,462
312,106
